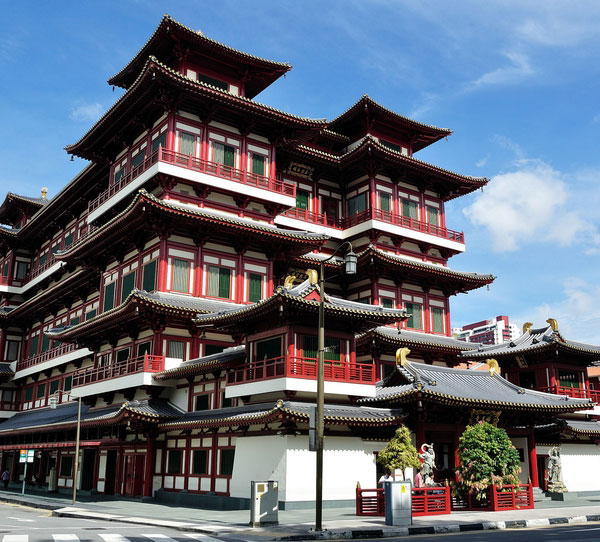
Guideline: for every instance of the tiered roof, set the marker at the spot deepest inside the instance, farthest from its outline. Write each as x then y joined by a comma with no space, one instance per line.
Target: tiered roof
206,364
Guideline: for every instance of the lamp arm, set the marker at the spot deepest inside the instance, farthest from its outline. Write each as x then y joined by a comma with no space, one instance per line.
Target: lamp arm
337,250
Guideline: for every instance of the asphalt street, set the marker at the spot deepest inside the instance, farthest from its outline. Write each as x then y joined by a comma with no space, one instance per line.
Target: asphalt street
20,524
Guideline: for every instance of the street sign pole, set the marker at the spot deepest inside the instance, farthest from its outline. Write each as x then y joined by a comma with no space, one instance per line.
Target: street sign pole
24,478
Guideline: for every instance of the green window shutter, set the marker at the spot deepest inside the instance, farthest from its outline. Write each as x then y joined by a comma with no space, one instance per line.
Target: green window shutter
200,462
159,141
68,240
387,302
109,296
181,275
68,383
332,349
202,402
144,348
119,174
309,346
41,391
301,199
213,281
54,386
224,282
268,349
74,321
127,285
433,216
228,156
5,271
149,276
414,321
255,287
28,394
138,159
90,314
409,209
33,345
176,349
45,342
43,259
438,319
226,463
384,201
123,355
258,164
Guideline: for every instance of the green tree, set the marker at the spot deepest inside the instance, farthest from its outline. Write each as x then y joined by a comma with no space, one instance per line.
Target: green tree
487,457
399,453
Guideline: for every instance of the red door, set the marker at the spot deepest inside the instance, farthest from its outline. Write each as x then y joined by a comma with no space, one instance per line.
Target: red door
134,475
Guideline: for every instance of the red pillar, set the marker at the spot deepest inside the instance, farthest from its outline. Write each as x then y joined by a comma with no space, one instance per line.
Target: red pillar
373,195
149,465
533,469
163,264
420,432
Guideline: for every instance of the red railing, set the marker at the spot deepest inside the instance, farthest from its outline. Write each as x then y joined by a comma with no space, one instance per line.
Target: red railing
426,501
195,164
577,393
142,364
39,269
46,356
294,367
313,218
403,221
4,280
508,497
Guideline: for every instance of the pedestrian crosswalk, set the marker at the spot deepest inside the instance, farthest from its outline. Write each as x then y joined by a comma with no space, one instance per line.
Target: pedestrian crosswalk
109,537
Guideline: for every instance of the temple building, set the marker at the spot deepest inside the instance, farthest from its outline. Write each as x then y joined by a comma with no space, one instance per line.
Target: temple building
172,287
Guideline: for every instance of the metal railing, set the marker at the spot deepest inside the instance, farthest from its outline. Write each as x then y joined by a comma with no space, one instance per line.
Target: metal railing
195,164
142,364
297,367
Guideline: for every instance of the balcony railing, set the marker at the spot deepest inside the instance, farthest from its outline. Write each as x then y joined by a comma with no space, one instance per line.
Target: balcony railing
294,367
195,164
375,214
142,364
9,406
576,393
4,280
39,269
59,350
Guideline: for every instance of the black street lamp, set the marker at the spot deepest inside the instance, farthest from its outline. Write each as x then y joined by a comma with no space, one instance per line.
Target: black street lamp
350,269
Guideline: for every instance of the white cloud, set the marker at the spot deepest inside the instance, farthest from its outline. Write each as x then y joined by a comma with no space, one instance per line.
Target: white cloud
518,69
86,112
483,161
577,313
528,205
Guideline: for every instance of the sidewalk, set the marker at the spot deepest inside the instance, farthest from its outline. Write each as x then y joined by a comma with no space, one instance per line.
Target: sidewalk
339,523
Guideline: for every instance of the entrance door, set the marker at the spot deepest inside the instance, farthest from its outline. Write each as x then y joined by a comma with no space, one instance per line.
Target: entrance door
109,475
542,472
88,469
134,475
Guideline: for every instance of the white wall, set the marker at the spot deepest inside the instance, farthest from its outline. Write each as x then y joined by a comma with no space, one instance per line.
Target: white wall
346,461
580,466
521,442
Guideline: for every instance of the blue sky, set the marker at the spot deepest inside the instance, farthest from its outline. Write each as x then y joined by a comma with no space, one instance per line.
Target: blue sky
518,82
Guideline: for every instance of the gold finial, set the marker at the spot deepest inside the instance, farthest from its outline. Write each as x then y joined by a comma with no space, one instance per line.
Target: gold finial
44,192
401,354
527,327
313,276
289,281
553,324
493,365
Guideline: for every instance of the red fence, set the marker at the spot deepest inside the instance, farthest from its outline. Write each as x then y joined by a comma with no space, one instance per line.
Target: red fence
506,497
141,364
577,393
294,367
46,356
195,164
426,501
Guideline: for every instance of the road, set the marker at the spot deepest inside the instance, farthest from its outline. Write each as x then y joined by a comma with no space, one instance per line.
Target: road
21,524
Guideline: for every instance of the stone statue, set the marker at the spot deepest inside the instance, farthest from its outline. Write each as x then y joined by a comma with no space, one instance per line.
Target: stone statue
427,456
555,483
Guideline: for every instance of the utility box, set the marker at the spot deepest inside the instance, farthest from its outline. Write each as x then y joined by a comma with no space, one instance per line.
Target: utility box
264,503
398,503
53,480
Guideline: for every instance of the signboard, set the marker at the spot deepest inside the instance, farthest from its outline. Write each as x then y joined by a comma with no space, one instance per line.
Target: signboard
26,456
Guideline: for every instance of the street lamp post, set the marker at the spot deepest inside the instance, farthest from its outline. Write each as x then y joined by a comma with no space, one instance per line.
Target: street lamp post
350,269
53,403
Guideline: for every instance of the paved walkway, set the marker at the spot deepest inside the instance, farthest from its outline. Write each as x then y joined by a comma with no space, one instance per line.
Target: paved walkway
340,523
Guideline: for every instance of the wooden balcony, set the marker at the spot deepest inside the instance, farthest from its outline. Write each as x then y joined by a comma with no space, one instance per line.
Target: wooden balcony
198,165
306,368
576,393
142,364
59,350
375,214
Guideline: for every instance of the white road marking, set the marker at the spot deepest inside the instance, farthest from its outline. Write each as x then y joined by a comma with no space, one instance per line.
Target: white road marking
65,537
159,537
113,537
21,519
15,538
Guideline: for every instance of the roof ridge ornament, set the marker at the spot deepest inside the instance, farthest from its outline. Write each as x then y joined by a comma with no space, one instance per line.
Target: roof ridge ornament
553,323
494,366
313,276
401,354
288,283
527,327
